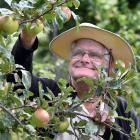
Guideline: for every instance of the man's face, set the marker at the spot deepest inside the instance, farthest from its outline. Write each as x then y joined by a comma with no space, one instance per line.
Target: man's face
86,56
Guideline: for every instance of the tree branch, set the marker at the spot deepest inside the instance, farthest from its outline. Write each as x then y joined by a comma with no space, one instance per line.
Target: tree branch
74,129
106,124
38,16
9,112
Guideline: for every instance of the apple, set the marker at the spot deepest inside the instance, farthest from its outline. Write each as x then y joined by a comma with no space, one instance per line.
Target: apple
67,12
63,125
40,118
8,24
14,136
37,27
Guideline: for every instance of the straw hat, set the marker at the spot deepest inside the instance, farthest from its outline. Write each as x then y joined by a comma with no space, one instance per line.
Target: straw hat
121,50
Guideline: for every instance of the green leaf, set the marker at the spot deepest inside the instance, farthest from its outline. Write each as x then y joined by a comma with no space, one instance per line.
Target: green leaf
80,123
76,3
101,129
84,137
38,3
23,5
44,104
51,15
50,94
26,78
31,129
5,11
130,75
129,99
123,118
91,128
8,2
4,67
117,84
61,16
5,136
62,82
70,3
1,126
29,93
113,113
6,53
99,91
88,81
76,18
6,120
16,100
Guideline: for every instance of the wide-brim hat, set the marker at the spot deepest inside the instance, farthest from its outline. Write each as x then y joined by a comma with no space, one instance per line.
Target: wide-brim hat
120,49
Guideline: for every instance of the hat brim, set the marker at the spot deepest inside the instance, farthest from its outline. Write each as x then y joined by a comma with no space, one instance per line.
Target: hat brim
121,50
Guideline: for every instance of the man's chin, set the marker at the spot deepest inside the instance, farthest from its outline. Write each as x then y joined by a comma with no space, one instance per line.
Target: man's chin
87,76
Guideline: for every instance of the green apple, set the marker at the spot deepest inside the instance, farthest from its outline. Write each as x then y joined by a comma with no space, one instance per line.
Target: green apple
37,27
14,136
63,126
8,24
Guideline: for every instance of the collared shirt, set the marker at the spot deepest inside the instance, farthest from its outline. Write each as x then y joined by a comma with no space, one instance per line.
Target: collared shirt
67,136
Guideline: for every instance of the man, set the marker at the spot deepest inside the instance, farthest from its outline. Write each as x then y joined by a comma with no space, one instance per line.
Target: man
86,49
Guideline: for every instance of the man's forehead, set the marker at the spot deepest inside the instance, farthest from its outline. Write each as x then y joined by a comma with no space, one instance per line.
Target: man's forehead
87,43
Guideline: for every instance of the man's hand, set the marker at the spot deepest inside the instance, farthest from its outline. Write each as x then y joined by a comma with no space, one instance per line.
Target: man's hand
30,31
101,113
27,38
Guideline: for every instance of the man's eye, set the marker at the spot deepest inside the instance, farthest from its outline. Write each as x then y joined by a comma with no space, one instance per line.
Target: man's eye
95,55
76,54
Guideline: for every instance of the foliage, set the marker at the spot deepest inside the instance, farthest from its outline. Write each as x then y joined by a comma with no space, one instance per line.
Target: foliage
17,109
119,16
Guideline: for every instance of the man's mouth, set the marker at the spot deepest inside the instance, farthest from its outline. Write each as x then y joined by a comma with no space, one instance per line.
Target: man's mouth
91,68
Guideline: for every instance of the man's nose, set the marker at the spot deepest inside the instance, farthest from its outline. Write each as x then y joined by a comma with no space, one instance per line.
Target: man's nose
86,58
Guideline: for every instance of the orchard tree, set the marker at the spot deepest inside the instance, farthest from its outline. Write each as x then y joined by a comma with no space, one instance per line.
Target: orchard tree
24,119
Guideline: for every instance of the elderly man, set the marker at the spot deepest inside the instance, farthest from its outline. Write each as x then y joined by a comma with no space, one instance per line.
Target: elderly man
85,49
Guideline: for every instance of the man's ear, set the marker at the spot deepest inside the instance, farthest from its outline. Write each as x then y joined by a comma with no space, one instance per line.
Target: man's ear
111,69
70,80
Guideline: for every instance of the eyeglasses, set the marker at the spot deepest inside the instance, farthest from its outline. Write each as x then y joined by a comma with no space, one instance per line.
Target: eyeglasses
79,53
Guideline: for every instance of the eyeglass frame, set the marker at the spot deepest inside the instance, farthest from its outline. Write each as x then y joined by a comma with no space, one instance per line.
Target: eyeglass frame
91,54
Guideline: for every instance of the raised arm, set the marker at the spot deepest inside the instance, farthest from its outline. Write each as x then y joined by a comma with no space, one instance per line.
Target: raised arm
23,54
23,49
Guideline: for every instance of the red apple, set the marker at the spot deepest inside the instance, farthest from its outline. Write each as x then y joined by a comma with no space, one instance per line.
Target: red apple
40,118
67,12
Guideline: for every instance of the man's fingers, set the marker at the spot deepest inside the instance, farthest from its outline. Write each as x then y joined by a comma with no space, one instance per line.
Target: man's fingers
110,120
93,114
104,116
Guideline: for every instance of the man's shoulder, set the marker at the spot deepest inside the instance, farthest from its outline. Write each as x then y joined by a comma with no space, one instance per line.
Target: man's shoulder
121,106
50,84
121,101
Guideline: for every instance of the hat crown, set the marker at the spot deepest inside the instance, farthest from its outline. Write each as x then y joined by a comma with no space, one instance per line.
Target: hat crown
88,25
